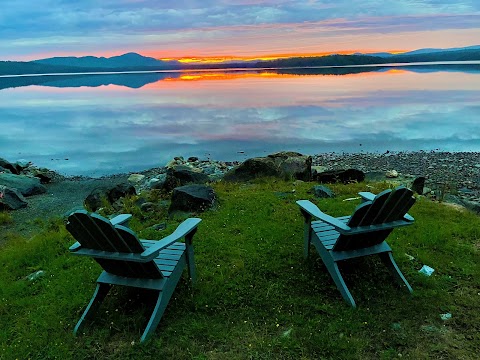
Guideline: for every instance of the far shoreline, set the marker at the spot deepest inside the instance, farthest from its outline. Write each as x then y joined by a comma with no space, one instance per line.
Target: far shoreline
253,69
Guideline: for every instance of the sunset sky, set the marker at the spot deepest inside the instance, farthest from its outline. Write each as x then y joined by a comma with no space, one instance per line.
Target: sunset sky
231,28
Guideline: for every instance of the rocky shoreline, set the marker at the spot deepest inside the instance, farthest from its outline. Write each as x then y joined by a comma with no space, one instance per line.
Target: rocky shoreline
449,176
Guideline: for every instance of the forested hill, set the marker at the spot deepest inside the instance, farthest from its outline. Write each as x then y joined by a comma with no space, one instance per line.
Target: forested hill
454,55
21,67
136,62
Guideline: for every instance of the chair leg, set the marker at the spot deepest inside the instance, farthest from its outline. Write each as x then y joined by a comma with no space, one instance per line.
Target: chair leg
191,264
98,296
387,259
157,314
307,239
334,271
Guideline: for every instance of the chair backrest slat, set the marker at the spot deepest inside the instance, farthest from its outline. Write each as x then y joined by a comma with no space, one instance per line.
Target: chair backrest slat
359,213
394,205
95,232
86,232
387,206
145,270
378,204
402,207
118,244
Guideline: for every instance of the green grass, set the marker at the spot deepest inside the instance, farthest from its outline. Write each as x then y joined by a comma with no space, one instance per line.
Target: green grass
256,297
5,218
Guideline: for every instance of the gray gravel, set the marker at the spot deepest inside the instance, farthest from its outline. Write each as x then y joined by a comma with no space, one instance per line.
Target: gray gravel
458,169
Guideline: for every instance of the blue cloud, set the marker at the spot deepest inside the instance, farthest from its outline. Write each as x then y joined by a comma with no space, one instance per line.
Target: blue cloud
58,25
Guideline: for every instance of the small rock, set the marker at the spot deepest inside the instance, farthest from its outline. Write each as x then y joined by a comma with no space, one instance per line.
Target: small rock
135,178
147,206
344,176
391,174
159,227
418,185
8,165
322,192
11,199
182,175
22,164
193,197
157,182
44,175
112,194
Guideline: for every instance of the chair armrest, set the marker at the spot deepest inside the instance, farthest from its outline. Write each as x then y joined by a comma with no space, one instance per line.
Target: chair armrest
75,247
121,219
313,210
366,196
409,218
181,231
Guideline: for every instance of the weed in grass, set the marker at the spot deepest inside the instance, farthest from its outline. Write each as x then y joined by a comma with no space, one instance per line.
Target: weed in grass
5,218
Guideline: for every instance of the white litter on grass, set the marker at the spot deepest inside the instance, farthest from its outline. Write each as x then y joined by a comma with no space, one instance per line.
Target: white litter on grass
35,275
426,270
351,199
286,333
409,257
446,316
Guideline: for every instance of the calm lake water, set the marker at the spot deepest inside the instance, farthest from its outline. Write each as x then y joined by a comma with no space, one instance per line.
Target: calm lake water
106,124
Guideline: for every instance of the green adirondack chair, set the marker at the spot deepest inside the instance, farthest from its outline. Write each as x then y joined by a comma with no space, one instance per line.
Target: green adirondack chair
128,261
361,234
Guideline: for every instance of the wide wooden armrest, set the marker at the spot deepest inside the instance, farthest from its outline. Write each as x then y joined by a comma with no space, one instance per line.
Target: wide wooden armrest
312,209
181,231
366,196
121,219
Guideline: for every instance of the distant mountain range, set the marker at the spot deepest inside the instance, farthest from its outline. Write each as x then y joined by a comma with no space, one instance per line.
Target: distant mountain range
136,62
425,51
114,62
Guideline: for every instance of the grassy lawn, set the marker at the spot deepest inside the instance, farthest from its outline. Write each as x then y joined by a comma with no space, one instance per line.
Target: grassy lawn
256,296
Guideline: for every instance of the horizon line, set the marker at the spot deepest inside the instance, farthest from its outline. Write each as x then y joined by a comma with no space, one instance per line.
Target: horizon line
218,59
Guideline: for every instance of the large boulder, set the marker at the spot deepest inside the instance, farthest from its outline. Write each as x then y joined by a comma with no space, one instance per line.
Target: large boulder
194,197
11,199
285,164
109,193
344,176
183,175
24,184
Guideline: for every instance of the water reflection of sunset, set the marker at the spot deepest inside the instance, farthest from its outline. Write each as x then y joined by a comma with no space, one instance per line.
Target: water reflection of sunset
227,76
98,126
